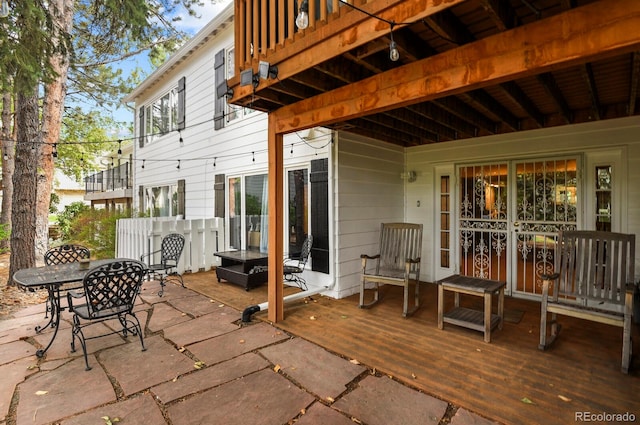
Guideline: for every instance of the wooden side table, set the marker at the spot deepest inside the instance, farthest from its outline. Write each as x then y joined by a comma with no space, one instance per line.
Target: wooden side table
483,321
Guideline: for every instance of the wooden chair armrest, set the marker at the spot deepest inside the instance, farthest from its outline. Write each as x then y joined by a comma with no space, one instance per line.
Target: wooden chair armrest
413,260
550,276
631,288
369,257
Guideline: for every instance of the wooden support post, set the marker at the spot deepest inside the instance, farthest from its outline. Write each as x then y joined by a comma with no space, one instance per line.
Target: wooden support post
276,223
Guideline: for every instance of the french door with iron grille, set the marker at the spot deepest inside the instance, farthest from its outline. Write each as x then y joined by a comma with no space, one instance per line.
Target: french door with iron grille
509,217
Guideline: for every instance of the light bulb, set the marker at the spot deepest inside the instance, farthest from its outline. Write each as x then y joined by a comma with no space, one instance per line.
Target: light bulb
302,21
4,8
394,54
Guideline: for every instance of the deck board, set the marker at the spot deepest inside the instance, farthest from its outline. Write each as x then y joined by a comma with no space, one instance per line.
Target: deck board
455,364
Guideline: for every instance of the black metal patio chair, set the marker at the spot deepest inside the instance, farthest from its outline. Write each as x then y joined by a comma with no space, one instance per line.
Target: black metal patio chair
68,253
295,265
63,254
166,269
110,292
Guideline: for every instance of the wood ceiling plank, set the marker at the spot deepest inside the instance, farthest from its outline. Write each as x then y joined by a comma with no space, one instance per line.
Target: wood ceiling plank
595,31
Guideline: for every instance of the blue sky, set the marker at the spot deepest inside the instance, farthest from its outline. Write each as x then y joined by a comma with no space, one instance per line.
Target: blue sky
189,24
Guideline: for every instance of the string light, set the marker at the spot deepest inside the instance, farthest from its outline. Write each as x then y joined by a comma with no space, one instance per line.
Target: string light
178,167
5,156
143,164
119,148
214,161
302,22
253,154
55,150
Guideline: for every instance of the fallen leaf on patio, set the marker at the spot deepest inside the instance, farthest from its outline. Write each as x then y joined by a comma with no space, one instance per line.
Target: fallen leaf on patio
330,399
525,400
312,318
563,398
413,375
174,379
278,333
181,349
184,314
354,361
198,365
373,371
277,368
344,317
241,341
31,367
303,411
356,420
109,421
478,350
41,392
221,305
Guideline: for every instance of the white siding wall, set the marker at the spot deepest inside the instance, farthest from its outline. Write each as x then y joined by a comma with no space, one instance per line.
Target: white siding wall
369,190
235,146
622,136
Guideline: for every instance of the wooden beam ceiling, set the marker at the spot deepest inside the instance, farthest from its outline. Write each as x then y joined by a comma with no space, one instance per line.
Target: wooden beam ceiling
594,31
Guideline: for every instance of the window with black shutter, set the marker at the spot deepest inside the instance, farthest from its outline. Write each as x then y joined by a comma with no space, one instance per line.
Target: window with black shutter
182,92
141,127
218,190
319,179
219,102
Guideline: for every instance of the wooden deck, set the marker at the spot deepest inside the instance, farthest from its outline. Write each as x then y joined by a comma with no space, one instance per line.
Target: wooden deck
508,380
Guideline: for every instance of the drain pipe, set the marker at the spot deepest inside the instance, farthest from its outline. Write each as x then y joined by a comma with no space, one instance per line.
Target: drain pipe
249,311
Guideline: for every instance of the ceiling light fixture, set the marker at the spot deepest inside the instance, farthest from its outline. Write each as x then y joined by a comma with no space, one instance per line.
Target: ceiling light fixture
394,54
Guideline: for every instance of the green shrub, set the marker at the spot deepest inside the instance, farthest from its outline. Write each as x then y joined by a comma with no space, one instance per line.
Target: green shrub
66,217
95,229
5,233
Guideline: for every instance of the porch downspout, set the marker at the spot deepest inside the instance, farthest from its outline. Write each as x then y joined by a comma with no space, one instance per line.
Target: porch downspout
249,311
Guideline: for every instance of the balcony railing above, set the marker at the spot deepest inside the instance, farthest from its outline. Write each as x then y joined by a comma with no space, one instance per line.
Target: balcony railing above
263,25
108,180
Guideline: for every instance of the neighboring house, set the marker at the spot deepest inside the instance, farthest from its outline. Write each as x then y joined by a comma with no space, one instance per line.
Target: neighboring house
198,157
508,121
112,188
67,189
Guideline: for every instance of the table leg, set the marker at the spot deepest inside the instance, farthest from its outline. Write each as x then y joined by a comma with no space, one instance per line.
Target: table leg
54,321
440,307
487,317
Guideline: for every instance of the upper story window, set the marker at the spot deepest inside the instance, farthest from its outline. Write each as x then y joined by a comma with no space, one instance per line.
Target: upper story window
163,115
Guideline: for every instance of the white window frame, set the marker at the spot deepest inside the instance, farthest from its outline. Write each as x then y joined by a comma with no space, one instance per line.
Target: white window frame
171,111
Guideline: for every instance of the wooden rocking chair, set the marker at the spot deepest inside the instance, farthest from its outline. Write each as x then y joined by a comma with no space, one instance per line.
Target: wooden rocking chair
398,260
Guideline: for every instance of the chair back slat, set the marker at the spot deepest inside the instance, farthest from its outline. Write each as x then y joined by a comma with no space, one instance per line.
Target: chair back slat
399,242
595,266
